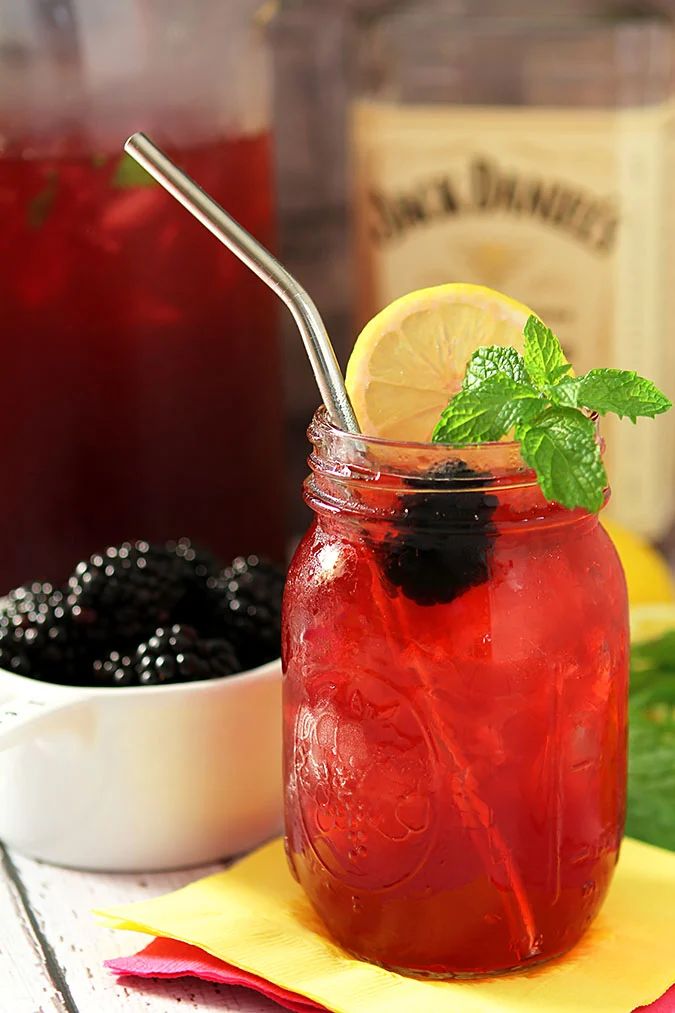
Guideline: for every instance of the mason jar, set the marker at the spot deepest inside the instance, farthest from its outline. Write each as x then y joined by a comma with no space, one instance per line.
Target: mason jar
140,359
455,655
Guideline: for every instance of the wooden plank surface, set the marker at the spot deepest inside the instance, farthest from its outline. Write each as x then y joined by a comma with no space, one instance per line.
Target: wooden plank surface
25,983
64,932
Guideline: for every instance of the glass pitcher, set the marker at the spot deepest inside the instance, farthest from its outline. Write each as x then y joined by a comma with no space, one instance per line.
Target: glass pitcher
140,359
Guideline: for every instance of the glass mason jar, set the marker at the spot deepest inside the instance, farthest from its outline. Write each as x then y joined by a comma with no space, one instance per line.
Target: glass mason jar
533,154
455,658
135,347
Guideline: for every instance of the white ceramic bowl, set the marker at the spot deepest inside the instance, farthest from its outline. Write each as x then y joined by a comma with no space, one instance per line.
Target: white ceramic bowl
144,777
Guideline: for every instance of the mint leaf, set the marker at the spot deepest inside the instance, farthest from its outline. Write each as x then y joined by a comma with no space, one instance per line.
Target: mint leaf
129,173
42,204
565,393
562,448
559,372
623,392
539,398
490,361
545,360
486,413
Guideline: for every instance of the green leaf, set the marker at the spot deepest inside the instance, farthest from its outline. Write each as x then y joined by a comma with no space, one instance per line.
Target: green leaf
565,393
651,742
545,360
539,398
653,656
41,205
490,361
623,392
562,448
560,371
651,778
487,412
129,174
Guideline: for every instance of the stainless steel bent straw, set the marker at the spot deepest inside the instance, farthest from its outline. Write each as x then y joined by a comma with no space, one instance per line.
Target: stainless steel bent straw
261,262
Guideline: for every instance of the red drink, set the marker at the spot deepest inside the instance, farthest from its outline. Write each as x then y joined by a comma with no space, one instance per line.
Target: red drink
141,380
455,655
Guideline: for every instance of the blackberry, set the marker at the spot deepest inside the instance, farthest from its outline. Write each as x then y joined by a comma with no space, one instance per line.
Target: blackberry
114,670
155,596
443,537
12,657
200,564
200,567
39,637
247,608
21,605
125,593
181,655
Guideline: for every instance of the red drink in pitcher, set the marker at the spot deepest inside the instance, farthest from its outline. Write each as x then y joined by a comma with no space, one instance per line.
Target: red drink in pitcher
141,367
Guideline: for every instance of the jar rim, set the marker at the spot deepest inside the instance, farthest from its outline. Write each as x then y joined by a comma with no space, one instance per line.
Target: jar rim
354,457
350,472
321,423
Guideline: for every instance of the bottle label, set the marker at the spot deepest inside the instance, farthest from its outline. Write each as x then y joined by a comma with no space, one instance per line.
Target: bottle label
568,210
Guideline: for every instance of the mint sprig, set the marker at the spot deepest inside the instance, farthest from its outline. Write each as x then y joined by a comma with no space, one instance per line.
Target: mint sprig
536,396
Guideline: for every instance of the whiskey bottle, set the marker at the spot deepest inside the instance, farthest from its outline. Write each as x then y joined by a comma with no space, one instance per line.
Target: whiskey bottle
533,155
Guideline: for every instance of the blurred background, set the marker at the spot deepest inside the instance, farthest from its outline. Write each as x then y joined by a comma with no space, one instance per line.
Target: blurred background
152,388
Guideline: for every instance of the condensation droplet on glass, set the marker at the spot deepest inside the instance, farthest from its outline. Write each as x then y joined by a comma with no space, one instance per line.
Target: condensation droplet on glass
588,888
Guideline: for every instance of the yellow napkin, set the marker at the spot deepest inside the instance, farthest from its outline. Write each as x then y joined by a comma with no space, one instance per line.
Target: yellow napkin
256,917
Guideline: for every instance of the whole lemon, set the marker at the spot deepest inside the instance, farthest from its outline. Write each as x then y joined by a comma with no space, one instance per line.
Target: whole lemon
647,574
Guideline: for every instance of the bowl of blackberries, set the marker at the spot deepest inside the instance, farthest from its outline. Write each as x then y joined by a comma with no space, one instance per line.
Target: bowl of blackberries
140,709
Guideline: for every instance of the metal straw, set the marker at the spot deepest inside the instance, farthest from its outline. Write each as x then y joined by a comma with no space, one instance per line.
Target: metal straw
259,260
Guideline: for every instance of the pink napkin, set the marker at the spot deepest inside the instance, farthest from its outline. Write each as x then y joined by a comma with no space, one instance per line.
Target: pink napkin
666,1004
170,958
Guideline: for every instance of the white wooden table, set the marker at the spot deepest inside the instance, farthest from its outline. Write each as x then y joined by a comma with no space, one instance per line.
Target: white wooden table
52,949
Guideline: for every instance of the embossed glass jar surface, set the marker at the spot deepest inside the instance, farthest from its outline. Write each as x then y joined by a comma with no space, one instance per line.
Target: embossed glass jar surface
455,675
